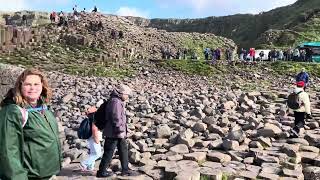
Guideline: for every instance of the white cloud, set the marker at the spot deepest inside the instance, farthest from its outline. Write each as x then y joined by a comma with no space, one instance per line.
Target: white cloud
127,11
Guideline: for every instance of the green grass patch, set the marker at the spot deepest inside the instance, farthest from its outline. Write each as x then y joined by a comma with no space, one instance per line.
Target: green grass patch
292,68
76,60
190,67
198,46
280,68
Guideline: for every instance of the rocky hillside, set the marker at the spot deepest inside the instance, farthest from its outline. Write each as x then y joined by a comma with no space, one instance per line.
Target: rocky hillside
33,18
191,127
84,48
282,27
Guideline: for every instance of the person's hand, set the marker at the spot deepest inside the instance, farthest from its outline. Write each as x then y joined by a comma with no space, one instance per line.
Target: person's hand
91,110
309,116
96,140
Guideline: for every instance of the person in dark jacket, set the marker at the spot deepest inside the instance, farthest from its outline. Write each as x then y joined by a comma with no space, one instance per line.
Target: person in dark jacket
115,132
29,144
303,76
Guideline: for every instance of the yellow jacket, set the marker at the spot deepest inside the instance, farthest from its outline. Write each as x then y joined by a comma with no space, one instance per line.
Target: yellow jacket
304,101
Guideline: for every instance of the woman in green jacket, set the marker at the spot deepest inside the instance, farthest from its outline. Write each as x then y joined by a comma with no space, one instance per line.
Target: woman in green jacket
29,141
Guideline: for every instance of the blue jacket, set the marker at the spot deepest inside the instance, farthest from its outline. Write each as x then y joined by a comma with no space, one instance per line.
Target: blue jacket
303,76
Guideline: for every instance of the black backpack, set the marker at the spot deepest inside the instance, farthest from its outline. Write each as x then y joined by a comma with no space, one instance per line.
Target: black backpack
100,116
85,128
293,100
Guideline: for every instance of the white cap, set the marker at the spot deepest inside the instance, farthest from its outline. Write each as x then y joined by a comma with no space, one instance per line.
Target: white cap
124,89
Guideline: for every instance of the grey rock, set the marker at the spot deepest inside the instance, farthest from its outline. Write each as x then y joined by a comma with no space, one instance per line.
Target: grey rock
180,149
163,131
312,172
216,156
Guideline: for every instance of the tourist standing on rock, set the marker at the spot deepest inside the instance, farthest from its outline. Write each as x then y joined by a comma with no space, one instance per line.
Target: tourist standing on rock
308,55
252,53
303,111
53,17
29,145
61,19
296,54
303,76
229,55
185,52
115,132
261,55
213,56
273,55
242,53
94,145
280,55
24,20
206,53
303,55
218,54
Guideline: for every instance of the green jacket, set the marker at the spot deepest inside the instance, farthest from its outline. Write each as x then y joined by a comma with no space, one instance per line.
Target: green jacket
29,152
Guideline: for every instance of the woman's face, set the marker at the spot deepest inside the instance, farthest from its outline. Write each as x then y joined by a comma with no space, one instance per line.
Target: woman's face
32,88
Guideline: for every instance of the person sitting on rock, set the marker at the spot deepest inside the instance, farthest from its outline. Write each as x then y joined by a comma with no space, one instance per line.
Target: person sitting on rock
121,36
115,132
95,9
303,111
100,26
113,34
94,144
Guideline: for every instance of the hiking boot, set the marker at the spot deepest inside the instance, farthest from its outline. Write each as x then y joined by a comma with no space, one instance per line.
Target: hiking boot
129,173
103,174
294,134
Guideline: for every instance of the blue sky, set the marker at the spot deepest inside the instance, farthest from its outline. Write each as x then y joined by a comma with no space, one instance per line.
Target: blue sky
151,8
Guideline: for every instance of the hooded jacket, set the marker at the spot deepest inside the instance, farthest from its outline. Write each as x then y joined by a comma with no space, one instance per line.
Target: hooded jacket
303,76
304,101
31,151
116,124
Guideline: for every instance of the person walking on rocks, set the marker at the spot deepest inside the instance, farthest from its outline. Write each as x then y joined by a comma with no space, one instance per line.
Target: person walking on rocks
115,132
303,111
29,146
303,76
94,144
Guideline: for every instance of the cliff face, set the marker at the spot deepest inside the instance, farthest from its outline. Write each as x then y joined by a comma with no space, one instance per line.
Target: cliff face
298,22
33,18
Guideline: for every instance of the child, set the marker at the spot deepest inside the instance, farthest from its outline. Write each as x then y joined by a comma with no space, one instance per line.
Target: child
94,145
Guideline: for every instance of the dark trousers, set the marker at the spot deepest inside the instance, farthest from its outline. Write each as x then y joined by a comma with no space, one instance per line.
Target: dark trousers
109,148
299,121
